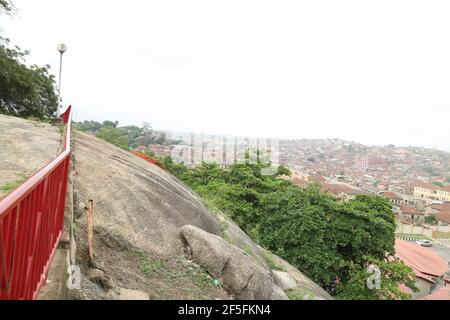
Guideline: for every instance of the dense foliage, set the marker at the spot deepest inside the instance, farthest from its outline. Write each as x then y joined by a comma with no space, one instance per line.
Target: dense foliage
128,137
25,91
6,6
393,273
431,219
330,241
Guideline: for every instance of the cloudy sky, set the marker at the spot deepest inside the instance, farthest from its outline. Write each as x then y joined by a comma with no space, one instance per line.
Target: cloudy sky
376,72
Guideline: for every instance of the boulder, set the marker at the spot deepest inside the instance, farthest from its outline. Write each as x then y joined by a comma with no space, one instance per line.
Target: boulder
88,290
284,280
235,236
278,294
239,273
98,276
303,283
133,198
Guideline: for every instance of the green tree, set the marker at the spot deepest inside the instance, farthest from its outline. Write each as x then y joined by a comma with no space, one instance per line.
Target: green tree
112,124
438,183
392,273
88,125
326,239
24,91
431,220
114,136
133,136
176,169
284,171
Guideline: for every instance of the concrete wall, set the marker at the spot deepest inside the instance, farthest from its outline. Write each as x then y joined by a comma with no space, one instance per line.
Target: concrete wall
442,228
412,229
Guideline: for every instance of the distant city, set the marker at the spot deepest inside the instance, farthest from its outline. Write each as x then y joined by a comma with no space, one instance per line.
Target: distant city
415,179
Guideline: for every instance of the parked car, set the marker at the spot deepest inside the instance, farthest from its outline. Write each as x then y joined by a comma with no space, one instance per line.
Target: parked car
424,243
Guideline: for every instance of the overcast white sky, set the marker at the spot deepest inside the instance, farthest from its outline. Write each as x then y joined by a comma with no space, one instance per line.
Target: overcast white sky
376,72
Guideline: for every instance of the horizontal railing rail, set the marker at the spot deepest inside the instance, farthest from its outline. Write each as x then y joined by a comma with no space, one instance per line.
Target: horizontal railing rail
31,225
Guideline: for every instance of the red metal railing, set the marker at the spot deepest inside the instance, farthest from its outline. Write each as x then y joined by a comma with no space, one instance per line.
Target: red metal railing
31,225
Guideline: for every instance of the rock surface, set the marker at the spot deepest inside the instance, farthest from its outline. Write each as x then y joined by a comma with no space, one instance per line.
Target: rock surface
98,276
240,274
133,198
26,146
302,282
284,280
278,294
235,236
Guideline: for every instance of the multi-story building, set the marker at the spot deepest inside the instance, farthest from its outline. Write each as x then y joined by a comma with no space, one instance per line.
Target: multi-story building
431,192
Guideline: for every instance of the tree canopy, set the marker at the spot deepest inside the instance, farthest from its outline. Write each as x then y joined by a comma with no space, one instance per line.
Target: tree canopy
330,241
25,91
126,137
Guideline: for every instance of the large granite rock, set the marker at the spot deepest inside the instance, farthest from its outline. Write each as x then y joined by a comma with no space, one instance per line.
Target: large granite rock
239,273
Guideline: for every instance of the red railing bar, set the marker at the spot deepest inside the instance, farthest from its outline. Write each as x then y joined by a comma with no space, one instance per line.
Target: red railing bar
31,225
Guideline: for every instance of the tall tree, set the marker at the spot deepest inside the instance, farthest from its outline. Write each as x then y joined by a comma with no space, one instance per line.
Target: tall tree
24,91
332,242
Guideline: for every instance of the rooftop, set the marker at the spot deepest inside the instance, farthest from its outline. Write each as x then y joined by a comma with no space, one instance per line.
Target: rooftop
425,263
442,216
391,195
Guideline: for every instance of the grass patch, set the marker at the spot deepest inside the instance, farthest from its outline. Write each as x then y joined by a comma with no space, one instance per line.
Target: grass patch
412,236
200,277
441,235
150,267
191,278
12,185
271,262
300,294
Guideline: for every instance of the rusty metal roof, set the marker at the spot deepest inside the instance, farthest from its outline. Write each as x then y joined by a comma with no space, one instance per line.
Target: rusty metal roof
425,263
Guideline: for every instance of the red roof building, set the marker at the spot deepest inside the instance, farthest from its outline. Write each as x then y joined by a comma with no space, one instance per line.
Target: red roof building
424,262
442,216
440,206
428,267
395,198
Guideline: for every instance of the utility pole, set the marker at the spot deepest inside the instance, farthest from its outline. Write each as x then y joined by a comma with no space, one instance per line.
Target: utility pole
61,48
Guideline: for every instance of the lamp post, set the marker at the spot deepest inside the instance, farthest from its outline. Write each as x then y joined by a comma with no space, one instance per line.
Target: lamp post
61,48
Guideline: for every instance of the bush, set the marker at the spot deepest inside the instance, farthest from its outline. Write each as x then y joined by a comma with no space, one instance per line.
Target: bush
431,220
114,136
324,238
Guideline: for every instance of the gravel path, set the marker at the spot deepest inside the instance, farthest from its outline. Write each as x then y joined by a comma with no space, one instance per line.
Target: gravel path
25,147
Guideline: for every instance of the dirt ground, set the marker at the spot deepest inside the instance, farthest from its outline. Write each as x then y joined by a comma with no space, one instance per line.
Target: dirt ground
25,147
162,278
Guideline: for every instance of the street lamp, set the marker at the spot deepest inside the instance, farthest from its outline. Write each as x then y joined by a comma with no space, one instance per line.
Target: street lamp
61,48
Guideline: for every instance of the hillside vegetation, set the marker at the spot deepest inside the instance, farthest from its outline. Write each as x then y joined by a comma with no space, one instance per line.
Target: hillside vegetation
330,241
125,137
139,213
